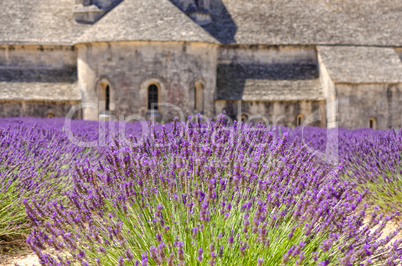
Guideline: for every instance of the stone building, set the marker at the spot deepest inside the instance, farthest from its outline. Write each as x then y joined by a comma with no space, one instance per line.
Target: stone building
321,62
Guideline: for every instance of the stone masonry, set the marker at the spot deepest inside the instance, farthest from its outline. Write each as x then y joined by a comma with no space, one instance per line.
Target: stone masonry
323,63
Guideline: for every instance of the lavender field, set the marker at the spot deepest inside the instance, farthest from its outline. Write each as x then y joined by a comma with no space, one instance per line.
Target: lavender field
200,194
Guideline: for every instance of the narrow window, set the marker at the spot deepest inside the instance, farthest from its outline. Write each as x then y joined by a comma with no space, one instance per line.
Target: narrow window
153,97
198,97
299,120
372,123
107,98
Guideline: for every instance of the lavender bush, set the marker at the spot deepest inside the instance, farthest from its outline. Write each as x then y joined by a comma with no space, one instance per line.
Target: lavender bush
210,194
202,194
373,160
37,161
370,158
34,163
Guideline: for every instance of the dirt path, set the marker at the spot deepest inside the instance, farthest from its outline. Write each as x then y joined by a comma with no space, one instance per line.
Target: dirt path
20,257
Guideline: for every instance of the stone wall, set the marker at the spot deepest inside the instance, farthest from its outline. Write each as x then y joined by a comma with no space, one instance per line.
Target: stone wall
37,56
37,64
360,102
329,92
279,112
267,54
130,67
398,50
40,109
237,64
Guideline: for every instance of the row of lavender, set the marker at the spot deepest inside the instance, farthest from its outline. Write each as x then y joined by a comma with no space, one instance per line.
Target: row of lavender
207,194
371,158
35,158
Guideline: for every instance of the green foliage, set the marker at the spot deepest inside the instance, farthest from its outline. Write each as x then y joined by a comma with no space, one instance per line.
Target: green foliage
385,192
12,213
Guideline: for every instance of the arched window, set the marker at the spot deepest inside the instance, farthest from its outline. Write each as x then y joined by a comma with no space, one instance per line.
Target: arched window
299,120
244,118
373,123
153,97
199,97
50,115
105,98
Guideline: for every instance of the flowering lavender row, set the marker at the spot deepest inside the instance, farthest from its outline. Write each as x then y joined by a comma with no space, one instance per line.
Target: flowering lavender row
371,158
375,150
34,163
38,163
209,194
36,159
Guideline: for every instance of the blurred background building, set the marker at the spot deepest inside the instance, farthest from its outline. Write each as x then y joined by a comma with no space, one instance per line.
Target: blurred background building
278,59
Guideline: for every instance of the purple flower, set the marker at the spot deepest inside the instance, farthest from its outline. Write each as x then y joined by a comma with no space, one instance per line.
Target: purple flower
200,251
144,261
129,255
